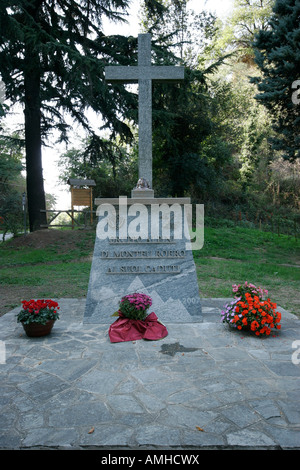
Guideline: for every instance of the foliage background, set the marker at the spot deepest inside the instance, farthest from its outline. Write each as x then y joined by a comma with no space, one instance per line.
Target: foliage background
212,141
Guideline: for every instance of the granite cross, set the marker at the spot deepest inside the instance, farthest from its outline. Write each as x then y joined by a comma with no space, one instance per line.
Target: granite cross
144,74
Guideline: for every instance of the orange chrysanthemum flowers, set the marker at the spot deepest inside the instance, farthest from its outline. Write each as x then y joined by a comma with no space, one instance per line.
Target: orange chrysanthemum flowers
249,310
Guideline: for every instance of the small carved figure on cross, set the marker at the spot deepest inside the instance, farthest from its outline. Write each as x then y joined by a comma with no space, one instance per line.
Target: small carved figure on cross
142,184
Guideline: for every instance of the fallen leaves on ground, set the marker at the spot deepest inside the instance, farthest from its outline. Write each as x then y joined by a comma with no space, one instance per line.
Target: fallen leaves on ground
199,429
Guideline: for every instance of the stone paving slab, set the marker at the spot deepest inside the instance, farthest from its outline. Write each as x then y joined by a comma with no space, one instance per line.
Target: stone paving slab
204,386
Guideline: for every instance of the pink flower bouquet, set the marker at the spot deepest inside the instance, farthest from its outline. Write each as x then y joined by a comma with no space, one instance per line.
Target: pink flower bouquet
134,322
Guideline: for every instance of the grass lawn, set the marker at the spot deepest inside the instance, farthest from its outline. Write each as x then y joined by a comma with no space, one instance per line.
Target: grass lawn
56,263
45,264
233,255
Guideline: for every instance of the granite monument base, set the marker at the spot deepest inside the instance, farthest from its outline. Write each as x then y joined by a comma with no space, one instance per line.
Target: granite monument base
128,258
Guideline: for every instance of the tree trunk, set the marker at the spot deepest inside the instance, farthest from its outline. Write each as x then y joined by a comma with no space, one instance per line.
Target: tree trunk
35,182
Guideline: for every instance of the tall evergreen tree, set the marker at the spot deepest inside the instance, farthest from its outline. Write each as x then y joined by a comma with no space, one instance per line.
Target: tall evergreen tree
182,120
278,57
52,58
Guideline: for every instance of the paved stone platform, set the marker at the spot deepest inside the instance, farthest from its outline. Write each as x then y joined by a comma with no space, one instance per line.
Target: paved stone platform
204,386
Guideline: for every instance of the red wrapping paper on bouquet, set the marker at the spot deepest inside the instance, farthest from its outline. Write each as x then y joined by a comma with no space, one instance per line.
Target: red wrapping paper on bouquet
126,329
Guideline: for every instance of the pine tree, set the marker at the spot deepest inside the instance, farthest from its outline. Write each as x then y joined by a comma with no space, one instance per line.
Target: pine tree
182,120
278,57
52,59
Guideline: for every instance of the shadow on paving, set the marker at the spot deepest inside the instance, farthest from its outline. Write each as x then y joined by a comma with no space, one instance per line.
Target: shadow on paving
204,386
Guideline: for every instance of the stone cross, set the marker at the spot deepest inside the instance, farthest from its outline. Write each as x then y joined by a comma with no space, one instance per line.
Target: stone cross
144,74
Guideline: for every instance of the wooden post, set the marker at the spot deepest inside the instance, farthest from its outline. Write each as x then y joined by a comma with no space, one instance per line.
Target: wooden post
72,203
91,205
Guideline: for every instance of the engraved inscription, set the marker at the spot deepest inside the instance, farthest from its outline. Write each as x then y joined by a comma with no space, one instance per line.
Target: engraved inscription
144,270
152,241
119,252
139,254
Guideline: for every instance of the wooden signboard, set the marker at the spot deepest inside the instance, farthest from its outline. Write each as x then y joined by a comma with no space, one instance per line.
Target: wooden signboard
82,196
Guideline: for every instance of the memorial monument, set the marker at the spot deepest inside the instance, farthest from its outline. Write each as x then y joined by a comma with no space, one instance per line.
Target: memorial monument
142,243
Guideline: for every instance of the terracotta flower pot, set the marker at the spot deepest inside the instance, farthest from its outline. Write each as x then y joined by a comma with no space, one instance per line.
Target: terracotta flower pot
37,329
